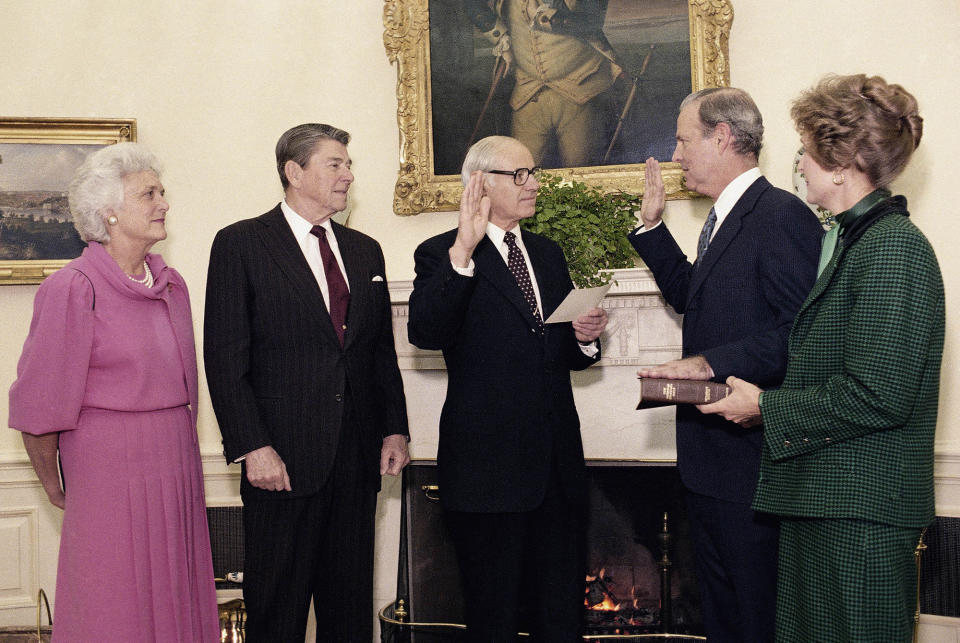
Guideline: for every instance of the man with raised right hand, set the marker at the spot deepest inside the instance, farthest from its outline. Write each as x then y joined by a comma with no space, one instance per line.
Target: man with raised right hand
756,262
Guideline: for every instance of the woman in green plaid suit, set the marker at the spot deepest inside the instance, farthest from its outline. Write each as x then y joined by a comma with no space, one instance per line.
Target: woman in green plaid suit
848,439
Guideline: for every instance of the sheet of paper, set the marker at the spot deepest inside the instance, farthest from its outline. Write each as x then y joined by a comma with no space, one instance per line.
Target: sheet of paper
579,301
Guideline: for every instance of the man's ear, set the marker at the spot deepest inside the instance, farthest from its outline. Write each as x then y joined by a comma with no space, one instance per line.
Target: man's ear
722,136
294,173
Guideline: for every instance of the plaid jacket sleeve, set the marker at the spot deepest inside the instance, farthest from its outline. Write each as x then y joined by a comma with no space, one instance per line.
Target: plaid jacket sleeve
866,346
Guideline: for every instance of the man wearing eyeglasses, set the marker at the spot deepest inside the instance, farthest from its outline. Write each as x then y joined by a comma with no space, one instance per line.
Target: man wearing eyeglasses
510,458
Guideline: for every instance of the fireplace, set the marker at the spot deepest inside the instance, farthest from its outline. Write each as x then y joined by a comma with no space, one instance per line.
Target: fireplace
640,581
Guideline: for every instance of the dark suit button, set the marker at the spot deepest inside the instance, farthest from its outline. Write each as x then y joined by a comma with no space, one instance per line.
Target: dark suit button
338,397
786,443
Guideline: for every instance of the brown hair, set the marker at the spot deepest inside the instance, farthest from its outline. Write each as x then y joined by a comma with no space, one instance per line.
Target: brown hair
298,143
859,121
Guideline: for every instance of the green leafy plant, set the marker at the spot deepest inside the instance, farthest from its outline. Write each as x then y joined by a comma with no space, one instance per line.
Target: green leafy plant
590,227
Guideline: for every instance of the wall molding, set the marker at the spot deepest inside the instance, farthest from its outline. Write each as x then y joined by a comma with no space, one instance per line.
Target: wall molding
20,526
222,480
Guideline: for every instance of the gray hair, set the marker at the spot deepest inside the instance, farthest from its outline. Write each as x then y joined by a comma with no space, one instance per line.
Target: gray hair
97,185
297,145
734,107
483,155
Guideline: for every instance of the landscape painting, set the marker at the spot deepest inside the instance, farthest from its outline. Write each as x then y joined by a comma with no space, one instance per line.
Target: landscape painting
35,221
38,158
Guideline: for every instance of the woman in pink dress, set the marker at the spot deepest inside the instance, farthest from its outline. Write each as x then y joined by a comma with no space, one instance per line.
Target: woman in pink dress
108,377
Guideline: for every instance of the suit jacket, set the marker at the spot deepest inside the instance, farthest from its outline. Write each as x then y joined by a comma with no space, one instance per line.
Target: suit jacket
850,434
275,368
737,309
509,413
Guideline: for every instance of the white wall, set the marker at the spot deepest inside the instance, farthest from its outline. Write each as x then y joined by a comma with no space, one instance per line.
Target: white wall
213,83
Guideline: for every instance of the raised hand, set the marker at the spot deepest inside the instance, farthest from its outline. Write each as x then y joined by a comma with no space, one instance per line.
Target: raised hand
654,194
472,224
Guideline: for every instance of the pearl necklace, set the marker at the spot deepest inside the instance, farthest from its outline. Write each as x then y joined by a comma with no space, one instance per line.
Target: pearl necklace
147,279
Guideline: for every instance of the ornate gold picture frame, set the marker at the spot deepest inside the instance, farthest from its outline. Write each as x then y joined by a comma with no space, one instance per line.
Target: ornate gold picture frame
37,159
407,39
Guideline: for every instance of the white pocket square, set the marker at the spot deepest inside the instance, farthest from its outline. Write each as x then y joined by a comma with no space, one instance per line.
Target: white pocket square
377,278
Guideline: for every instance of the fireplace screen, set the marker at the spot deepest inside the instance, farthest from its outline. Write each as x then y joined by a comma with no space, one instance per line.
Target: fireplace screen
640,581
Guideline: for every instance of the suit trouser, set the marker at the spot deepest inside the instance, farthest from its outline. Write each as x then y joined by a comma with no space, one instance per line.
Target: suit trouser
318,547
735,550
533,559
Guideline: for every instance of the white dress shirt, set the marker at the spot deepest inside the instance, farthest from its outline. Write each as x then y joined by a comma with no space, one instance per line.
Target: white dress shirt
309,245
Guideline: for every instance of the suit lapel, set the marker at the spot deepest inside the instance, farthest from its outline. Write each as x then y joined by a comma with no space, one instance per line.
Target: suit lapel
729,229
490,264
282,246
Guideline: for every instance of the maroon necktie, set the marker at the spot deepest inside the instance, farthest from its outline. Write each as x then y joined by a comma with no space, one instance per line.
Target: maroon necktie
337,289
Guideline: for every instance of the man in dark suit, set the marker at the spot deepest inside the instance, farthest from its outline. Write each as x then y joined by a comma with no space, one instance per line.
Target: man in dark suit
510,459
756,262
303,375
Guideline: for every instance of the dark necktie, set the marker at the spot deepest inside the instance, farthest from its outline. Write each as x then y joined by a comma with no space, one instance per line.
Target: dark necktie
337,289
704,241
518,267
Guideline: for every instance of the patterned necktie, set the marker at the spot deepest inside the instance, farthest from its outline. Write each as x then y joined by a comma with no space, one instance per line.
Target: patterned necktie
337,290
704,240
518,267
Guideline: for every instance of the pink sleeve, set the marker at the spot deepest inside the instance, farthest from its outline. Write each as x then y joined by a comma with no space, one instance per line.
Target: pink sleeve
52,371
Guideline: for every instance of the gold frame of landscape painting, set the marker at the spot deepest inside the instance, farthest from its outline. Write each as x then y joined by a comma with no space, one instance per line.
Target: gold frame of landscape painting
37,159
429,178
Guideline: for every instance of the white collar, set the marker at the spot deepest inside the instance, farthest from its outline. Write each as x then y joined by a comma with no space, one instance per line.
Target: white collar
300,226
734,190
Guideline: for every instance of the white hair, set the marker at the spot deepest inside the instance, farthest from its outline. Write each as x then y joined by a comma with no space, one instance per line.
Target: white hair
97,186
485,153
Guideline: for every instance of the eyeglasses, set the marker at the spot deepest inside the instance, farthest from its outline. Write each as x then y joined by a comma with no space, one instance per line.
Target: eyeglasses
520,175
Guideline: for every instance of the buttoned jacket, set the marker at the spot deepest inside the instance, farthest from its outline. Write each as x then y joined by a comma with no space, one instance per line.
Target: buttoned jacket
509,416
737,308
560,45
850,433
277,373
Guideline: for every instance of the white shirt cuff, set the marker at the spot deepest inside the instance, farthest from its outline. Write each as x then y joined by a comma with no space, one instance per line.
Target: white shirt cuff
643,229
466,272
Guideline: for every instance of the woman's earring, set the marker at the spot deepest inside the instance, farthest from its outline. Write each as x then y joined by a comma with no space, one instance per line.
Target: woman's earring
838,178
112,219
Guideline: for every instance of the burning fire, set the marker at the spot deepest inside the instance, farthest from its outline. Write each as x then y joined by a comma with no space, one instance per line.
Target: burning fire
597,595
600,600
